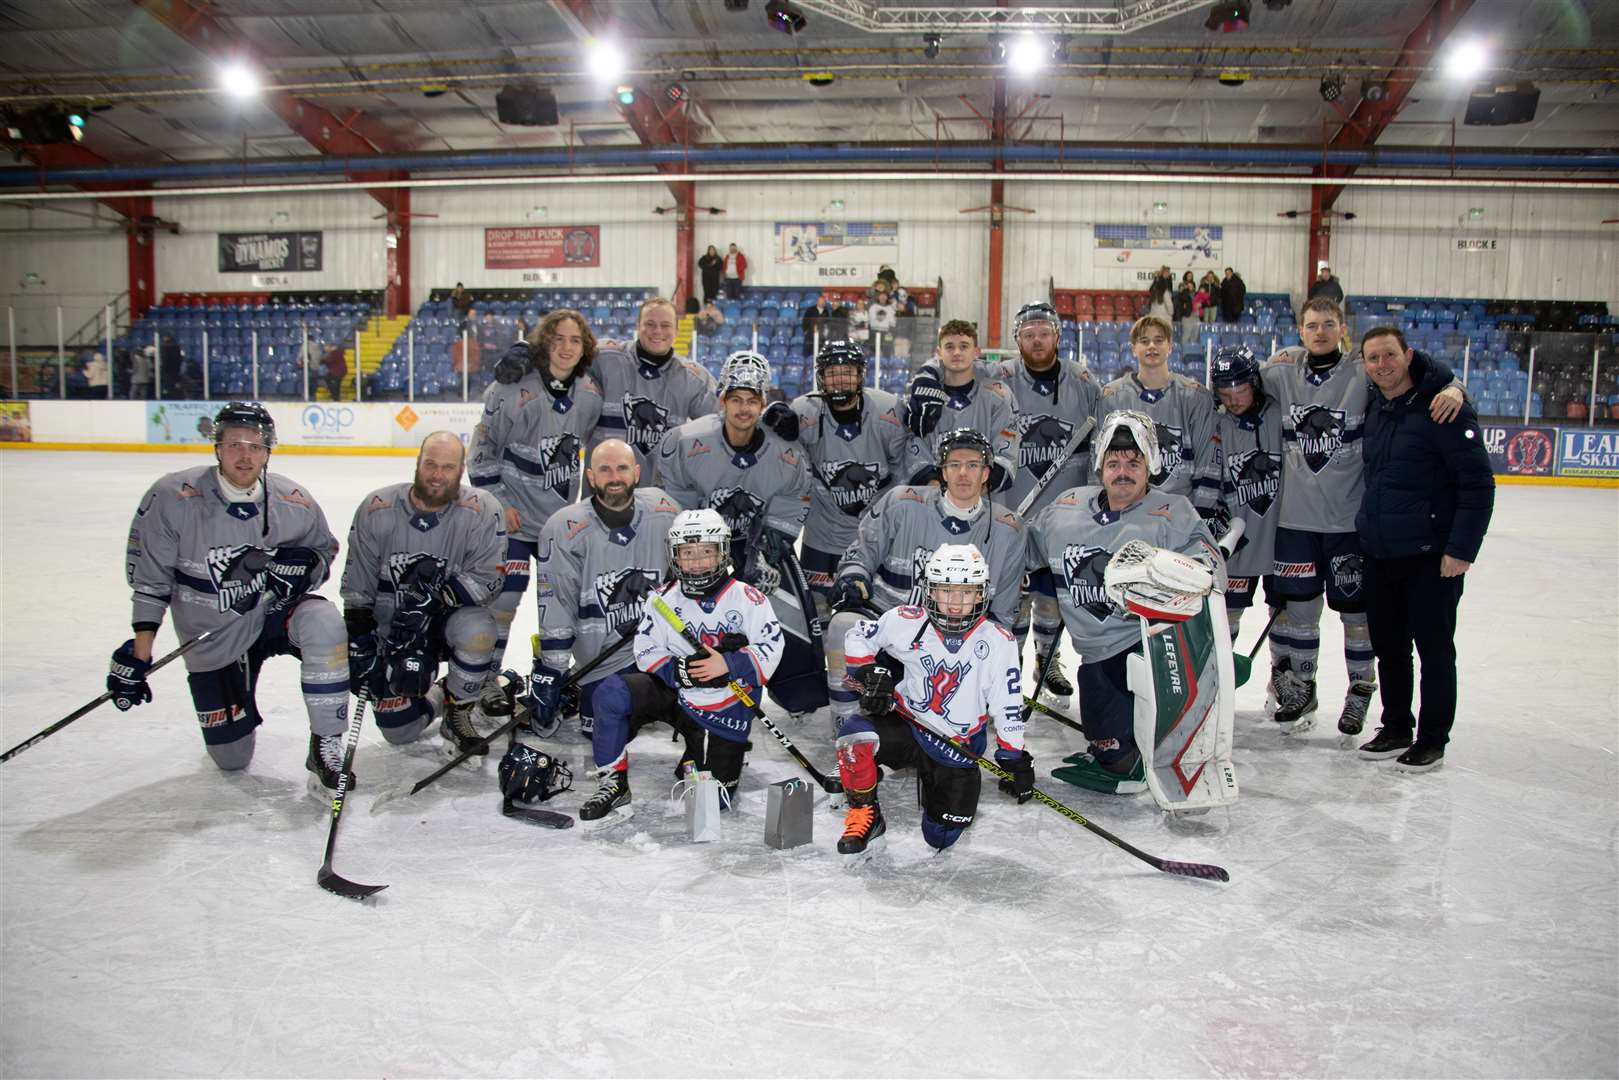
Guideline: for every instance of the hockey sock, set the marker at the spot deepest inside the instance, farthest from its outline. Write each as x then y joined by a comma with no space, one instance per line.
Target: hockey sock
317,629
1047,623
1358,657
857,757
1302,636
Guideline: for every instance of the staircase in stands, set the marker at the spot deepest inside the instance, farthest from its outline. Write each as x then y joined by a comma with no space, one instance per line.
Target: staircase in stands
379,335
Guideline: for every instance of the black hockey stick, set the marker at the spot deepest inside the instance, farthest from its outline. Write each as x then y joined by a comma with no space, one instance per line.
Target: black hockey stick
103,699
1068,451
548,819
827,783
573,678
1207,871
1040,675
327,878
794,572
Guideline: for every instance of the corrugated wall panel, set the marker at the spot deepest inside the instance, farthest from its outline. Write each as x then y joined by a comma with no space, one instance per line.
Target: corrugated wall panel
80,263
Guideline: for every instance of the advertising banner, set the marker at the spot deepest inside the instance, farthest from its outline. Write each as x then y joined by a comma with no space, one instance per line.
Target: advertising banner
1520,451
411,423
329,423
15,426
1135,252
180,421
1588,452
547,246
848,252
269,252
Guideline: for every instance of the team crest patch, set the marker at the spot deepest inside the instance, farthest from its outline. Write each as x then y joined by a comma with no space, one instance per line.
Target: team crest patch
1320,433
1256,477
739,508
1348,571
620,594
1043,439
852,484
238,574
1172,452
644,422
559,456
943,682
1082,568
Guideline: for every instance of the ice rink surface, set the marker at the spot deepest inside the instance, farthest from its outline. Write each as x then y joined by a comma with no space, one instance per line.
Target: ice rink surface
160,918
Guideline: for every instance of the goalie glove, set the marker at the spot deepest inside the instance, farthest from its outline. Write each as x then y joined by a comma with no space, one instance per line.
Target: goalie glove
1156,583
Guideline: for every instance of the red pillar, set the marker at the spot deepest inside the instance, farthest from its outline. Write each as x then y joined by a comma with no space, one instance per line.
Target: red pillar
397,298
685,237
142,257
997,218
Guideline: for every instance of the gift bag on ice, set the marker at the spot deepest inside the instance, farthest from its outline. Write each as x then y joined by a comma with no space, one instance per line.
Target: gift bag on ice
789,813
701,794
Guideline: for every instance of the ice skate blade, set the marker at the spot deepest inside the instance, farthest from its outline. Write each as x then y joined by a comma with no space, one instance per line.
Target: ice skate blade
616,816
1052,700
856,859
1299,726
320,792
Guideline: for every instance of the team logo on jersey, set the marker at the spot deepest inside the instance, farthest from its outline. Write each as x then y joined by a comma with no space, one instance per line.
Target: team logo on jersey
1348,571
644,422
919,571
560,457
238,574
739,508
1320,433
621,594
1043,440
1257,476
410,572
943,682
1172,452
852,484
1082,570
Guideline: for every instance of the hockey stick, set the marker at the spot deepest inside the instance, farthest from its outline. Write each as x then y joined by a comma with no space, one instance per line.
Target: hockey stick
827,783
1030,705
1040,676
1208,871
1057,466
326,877
76,713
794,571
601,658
1243,666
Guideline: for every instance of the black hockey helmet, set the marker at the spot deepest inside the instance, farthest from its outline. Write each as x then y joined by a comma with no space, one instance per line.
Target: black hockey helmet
248,414
529,775
965,438
1234,365
835,354
1037,312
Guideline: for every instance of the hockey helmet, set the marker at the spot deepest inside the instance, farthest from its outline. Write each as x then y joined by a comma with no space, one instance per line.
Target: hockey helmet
244,414
1128,429
530,775
745,370
704,526
956,566
965,439
839,353
1034,314
1234,365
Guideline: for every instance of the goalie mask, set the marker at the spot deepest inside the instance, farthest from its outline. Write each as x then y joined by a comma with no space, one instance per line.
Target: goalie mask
530,775
840,354
957,593
745,370
1127,429
699,550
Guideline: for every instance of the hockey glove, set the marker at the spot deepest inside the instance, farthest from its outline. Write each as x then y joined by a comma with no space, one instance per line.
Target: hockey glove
731,641
925,403
687,681
544,696
1021,766
780,418
126,677
366,676
514,363
850,593
292,571
876,691
1156,583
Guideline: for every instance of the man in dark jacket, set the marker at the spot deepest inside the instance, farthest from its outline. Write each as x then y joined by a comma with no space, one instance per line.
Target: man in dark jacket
1325,284
1233,296
1429,493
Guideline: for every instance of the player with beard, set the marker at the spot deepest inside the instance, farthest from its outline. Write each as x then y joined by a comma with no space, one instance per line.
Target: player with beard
598,560
1072,543
853,439
1052,399
646,388
526,449
236,553
423,571
1248,453
1323,397
945,395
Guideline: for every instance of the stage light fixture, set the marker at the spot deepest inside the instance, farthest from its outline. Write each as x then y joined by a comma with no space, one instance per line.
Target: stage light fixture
1228,16
1027,57
784,17
675,93
625,94
1373,91
930,46
1332,86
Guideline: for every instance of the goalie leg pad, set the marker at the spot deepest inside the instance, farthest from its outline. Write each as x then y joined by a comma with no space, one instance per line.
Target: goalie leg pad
1183,684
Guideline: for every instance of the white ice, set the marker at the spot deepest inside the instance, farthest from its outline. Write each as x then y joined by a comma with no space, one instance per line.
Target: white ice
160,918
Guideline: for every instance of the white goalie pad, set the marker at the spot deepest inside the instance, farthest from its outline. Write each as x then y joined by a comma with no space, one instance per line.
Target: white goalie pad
1184,686
1156,583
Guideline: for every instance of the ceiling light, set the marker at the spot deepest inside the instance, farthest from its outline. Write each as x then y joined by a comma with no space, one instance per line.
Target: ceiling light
930,46
625,94
1027,56
1466,60
239,80
1332,86
604,60
1372,90
1228,15
675,93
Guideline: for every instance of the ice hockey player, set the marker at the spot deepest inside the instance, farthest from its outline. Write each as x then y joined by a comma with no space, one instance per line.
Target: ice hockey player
1053,398
1180,407
945,395
883,567
1323,396
1072,545
525,450
423,570
598,560
688,690
853,439
1248,455
646,388
237,553
930,675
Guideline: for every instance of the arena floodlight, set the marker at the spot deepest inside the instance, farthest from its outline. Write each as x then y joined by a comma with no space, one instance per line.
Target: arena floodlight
1027,57
604,60
239,80
1466,60
930,46
625,94
1332,86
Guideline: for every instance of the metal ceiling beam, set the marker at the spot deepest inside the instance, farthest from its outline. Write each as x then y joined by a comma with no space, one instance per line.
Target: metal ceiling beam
1118,18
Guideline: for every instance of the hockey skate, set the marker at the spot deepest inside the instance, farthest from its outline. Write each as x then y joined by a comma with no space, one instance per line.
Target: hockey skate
1273,688
1295,705
1086,772
1356,702
460,736
863,828
501,699
325,765
612,793
1056,691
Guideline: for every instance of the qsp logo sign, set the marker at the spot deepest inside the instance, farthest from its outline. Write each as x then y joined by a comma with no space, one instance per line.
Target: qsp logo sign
327,423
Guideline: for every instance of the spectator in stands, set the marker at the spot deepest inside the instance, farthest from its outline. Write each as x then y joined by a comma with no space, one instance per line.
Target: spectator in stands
709,320
95,375
711,266
1160,296
1206,301
460,302
1428,498
1326,285
140,379
886,276
882,317
1185,313
736,272
819,319
333,367
169,374
1233,296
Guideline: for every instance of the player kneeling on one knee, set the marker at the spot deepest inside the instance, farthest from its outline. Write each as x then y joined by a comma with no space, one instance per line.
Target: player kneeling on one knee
931,677
693,690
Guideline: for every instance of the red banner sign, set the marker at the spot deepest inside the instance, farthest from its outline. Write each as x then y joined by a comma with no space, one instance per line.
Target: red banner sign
546,246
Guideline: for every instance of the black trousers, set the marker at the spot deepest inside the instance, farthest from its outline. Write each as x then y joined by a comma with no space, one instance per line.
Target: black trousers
1408,603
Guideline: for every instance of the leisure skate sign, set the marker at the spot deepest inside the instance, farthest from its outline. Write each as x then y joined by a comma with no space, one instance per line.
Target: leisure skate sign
1586,452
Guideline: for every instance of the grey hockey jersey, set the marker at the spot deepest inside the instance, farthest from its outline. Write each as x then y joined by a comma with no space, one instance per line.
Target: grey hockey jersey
590,580
698,468
850,464
641,401
525,449
1071,541
467,541
1184,414
184,537
1248,454
900,532
983,404
1048,411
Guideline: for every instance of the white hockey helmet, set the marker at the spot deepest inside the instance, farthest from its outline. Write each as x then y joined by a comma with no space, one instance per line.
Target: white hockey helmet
1128,429
703,526
958,565
745,370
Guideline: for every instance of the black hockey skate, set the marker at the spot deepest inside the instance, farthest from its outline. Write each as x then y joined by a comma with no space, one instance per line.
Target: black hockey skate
460,736
1356,702
1296,704
863,828
1057,691
612,793
325,765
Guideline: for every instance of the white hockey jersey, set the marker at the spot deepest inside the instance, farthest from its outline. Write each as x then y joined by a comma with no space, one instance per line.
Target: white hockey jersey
735,608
